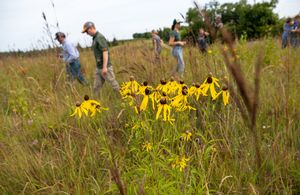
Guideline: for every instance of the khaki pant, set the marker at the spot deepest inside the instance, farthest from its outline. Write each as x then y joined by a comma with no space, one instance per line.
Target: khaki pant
109,77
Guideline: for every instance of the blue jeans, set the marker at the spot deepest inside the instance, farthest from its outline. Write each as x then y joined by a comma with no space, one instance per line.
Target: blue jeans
177,53
73,72
285,40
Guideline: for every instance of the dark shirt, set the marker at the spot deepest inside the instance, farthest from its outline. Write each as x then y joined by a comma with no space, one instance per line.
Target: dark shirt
202,43
100,45
176,35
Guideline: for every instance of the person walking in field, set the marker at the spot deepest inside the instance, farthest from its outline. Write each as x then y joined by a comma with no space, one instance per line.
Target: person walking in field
104,70
175,41
70,56
202,40
295,33
156,41
287,29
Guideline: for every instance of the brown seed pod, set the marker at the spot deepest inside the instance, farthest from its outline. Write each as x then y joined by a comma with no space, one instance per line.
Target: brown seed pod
209,80
86,97
163,101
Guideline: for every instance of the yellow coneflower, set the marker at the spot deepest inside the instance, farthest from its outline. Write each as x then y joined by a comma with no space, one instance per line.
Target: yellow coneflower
181,98
92,106
181,86
209,84
163,87
147,146
132,87
165,108
98,108
79,110
196,90
148,94
173,86
225,95
180,102
186,136
180,163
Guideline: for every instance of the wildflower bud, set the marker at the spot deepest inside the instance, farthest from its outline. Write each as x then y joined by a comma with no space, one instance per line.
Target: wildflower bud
181,81
86,97
163,101
172,79
193,84
147,91
164,94
131,78
209,80
98,106
145,83
78,104
163,82
224,88
184,91
197,85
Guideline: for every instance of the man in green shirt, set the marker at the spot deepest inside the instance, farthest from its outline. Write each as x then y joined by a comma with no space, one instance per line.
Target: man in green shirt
104,69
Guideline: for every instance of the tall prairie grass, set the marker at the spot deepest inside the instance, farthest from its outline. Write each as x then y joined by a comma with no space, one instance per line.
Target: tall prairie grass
45,151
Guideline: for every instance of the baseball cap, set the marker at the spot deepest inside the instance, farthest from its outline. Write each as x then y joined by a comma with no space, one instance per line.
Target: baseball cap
87,25
59,34
176,21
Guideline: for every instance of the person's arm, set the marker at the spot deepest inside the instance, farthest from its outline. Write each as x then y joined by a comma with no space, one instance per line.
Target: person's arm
105,61
103,46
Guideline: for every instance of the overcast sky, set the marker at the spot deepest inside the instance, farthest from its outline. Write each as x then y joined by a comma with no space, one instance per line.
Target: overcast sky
22,25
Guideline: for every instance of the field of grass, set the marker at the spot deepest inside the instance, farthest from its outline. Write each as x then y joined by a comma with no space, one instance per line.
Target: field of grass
45,151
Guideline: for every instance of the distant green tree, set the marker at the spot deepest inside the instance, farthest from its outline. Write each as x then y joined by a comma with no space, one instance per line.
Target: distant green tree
164,34
255,21
145,35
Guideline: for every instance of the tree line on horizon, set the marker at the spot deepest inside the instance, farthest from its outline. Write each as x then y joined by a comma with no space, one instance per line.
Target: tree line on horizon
250,21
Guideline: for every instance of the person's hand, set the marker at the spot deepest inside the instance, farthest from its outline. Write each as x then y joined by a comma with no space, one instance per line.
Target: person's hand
104,71
183,43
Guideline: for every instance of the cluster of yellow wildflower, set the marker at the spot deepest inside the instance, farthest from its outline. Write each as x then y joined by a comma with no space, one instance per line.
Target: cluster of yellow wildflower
171,95
88,107
147,146
180,163
186,136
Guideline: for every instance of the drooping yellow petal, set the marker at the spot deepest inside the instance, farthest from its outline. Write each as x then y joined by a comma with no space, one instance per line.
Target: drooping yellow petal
144,103
75,111
225,95
213,92
215,81
136,109
160,107
84,110
165,108
153,101
205,88
93,113
218,94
